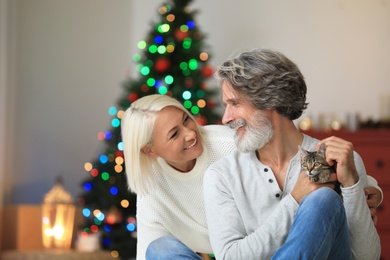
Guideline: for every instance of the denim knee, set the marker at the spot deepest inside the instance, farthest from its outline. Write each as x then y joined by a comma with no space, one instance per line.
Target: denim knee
157,247
167,248
324,197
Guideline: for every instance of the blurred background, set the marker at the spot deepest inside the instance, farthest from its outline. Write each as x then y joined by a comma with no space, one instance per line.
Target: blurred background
62,64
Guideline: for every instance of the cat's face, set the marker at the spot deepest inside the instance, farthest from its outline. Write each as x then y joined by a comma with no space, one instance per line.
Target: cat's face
313,163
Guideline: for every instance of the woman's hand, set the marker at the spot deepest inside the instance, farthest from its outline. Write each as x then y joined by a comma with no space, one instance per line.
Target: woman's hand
374,197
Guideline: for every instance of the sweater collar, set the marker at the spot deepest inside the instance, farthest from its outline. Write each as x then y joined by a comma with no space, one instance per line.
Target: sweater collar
199,168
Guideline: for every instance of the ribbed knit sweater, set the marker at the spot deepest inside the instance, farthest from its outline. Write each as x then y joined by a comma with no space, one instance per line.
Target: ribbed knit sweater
175,205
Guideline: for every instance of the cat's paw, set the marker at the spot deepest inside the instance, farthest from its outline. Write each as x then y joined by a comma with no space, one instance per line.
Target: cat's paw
324,177
313,178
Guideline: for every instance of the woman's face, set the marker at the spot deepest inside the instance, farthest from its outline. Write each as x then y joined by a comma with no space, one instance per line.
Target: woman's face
175,139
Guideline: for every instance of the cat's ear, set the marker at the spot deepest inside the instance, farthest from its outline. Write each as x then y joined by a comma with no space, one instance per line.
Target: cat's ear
321,151
302,151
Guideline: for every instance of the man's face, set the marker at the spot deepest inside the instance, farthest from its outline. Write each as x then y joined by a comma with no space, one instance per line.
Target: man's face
253,128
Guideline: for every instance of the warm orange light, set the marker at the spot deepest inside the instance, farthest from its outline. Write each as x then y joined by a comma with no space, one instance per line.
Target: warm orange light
58,212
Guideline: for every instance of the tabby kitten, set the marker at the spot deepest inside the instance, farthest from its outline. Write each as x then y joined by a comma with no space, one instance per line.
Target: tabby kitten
315,165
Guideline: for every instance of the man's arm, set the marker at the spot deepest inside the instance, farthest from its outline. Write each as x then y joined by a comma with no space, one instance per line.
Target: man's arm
352,175
364,237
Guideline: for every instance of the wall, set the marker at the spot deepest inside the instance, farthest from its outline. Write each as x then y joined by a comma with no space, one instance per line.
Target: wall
3,92
73,56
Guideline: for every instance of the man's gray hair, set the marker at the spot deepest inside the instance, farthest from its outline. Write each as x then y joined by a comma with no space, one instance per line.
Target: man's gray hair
268,80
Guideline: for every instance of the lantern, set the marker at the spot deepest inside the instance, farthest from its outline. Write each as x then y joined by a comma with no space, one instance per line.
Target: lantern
58,212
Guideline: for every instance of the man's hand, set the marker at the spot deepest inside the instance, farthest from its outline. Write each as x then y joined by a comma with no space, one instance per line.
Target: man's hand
374,197
340,152
304,186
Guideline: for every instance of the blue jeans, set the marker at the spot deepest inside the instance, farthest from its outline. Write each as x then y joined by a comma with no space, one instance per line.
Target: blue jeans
319,230
168,248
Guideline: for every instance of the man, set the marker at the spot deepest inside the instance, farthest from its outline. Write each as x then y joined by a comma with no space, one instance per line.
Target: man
257,200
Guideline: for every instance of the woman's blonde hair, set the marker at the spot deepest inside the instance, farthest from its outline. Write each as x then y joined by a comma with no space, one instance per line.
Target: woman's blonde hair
137,132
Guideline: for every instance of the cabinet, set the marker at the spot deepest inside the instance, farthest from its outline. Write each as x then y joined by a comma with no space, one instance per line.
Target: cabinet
374,148
56,255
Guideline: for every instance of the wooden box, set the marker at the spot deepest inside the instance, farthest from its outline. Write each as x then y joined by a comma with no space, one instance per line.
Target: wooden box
21,228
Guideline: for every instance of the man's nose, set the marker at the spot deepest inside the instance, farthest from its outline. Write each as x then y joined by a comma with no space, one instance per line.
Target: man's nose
227,118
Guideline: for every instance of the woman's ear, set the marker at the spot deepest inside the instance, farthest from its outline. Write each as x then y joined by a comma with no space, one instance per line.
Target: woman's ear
148,150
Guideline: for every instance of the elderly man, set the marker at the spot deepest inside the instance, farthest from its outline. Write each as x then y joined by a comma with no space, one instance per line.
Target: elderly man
258,203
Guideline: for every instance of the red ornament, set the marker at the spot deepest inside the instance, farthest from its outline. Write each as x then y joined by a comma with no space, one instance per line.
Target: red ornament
180,35
188,82
113,216
201,120
197,35
144,88
210,103
207,71
203,85
119,153
162,65
132,96
81,201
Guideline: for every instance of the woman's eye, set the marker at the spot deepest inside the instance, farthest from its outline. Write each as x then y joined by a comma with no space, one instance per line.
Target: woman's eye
186,119
173,135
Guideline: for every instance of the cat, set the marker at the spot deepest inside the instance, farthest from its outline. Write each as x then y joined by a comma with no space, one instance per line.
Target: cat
315,165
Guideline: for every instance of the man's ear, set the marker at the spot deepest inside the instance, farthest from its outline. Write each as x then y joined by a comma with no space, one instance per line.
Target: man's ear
148,150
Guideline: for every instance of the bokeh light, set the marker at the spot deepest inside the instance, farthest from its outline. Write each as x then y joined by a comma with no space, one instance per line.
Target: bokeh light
201,103
158,39
186,95
145,70
114,190
125,203
168,79
195,110
190,24
112,111
115,123
170,17
120,146
103,158
141,45
88,166
203,56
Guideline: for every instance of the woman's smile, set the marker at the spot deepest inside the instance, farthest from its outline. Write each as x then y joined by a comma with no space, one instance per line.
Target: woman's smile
191,145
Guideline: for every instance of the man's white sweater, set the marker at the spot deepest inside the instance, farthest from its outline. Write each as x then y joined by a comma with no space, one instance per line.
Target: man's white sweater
249,216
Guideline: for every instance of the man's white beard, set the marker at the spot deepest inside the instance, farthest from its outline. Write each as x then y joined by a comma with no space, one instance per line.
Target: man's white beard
258,132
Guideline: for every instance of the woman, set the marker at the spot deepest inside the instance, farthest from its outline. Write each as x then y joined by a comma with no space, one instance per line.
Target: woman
166,155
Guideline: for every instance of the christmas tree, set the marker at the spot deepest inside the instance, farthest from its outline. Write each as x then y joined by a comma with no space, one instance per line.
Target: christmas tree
172,61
